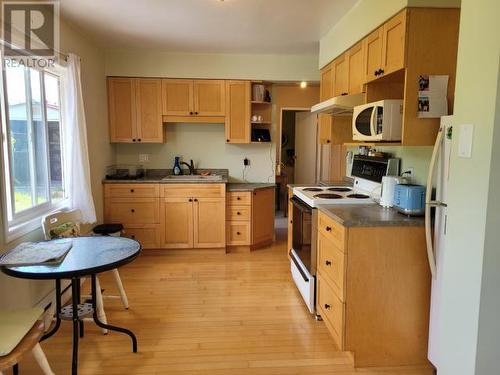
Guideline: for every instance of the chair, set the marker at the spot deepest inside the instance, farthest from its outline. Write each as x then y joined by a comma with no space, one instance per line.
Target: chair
21,332
62,224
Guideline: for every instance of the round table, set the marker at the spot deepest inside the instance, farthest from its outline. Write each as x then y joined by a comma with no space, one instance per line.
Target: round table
88,256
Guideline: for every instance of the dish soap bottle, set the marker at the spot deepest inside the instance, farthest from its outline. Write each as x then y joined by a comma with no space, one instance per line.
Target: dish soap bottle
177,166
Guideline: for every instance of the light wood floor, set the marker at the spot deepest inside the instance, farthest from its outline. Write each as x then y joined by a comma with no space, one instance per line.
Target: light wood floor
238,313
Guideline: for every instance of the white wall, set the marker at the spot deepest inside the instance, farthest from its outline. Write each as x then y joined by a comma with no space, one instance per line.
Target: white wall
470,298
206,145
154,63
363,18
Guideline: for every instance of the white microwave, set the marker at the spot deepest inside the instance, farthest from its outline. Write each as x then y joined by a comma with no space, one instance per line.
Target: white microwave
378,121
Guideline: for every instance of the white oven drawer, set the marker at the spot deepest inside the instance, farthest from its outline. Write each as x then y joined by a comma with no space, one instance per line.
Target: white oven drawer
304,281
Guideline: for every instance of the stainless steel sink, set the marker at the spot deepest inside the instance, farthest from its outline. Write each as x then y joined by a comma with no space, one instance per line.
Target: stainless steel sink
195,177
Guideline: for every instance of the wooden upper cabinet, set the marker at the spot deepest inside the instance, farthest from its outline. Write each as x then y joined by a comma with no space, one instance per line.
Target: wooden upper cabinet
209,222
373,54
340,75
178,99
324,129
209,97
135,110
394,43
326,83
122,110
238,111
149,111
355,63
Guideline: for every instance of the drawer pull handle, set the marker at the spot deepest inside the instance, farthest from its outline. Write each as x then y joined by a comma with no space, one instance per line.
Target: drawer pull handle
238,213
328,229
238,198
131,190
328,263
132,210
133,237
327,306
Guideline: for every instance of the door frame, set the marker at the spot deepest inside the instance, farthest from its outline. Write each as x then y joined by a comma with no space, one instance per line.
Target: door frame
280,133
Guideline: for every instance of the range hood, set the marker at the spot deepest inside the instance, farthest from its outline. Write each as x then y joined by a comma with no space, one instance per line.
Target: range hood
339,105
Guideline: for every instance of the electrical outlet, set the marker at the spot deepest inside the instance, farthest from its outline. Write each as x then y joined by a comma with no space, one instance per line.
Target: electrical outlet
246,162
143,158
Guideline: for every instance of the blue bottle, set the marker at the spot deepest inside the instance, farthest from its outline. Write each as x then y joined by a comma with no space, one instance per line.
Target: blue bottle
177,166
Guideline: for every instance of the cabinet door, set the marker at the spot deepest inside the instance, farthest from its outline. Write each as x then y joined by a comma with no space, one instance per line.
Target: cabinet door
373,54
177,97
149,116
326,83
209,97
122,111
209,222
355,58
324,129
340,76
394,40
176,223
238,111
147,235
263,216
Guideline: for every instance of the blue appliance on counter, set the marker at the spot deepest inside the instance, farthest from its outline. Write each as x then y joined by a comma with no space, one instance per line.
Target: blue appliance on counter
409,199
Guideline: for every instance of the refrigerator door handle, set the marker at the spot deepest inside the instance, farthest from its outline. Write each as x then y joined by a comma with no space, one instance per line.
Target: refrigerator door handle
429,203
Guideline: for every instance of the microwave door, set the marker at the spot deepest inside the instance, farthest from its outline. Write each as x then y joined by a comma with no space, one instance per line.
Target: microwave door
373,121
362,123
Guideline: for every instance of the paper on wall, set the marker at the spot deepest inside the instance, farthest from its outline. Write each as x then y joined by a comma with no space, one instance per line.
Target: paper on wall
432,96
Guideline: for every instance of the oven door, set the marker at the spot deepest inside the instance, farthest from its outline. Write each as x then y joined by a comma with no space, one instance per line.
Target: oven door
302,254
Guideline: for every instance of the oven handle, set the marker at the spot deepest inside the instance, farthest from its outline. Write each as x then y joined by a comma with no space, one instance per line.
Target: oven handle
292,257
300,205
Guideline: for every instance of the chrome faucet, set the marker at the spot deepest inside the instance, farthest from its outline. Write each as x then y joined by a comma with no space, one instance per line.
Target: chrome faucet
190,166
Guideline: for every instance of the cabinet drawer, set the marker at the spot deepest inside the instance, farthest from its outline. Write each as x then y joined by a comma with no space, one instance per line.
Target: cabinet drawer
149,236
332,230
131,190
238,233
332,311
239,198
193,190
238,213
133,211
331,263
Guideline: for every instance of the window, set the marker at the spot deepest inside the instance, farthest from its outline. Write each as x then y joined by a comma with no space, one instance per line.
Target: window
32,148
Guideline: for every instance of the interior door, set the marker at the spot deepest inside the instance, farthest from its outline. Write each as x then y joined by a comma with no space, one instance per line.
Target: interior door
306,128
209,222
177,223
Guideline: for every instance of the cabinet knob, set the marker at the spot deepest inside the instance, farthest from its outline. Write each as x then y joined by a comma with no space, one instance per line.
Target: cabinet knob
196,200
191,113
238,213
190,200
344,93
139,140
381,71
132,210
238,233
227,140
328,229
131,190
132,236
328,263
196,113
327,141
238,198
133,140
376,73
327,306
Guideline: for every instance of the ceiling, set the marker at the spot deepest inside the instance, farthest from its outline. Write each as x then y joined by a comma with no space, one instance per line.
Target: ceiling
207,26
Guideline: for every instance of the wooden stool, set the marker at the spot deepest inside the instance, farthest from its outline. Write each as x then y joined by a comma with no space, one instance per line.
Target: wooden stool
29,342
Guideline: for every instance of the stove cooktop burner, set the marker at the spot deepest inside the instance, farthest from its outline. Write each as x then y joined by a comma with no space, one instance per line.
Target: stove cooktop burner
312,189
339,189
358,196
328,196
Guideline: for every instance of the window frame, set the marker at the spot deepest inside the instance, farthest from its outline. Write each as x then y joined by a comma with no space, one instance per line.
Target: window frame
27,220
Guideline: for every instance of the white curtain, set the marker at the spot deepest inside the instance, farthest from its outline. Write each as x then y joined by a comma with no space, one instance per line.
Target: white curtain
76,156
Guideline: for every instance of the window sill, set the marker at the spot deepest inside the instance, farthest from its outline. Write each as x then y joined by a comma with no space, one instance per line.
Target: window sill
14,232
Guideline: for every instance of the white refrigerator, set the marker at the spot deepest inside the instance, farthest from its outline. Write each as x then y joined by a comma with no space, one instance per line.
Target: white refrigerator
435,234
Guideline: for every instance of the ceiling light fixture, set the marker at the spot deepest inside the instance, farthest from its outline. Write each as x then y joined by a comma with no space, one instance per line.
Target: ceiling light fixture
303,84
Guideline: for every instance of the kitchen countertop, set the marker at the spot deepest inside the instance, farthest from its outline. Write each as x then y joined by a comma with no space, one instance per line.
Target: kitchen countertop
369,215
248,186
155,176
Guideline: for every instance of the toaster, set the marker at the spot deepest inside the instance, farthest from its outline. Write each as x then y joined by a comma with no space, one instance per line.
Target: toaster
409,199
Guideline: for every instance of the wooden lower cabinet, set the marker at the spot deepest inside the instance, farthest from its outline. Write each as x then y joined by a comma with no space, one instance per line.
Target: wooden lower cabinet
147,235
373,292
177,223
250,218
209,219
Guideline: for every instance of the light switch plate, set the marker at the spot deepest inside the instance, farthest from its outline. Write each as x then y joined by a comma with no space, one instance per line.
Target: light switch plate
465,138
143,158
